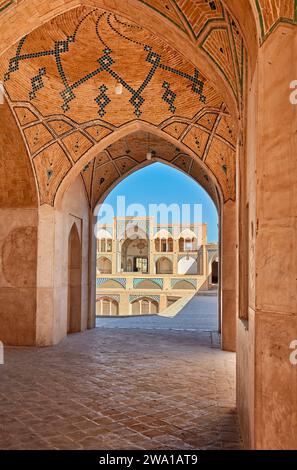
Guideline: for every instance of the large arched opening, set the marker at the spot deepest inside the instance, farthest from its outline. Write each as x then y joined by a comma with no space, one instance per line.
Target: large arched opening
49,170
65,141
133,148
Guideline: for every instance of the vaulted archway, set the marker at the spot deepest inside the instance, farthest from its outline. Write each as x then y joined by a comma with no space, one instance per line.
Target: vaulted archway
86,138
195,90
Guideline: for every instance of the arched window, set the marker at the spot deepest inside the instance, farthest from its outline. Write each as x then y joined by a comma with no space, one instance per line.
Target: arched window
144,306
163,241
105,245
157,245
215,272
188,241
164,245
181,245
106,306
104,266
164,266
135,255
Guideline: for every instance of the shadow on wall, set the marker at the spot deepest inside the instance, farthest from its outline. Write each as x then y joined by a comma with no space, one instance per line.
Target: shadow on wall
187,265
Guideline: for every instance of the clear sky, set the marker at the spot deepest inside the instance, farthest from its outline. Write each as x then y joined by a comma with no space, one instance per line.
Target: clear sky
159,183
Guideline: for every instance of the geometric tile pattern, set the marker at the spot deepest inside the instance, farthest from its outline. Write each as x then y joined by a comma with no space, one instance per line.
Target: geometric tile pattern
130,152
169,96
107,66
207,23
158,281
113,297
198,13
273,12
102,100
216,45
71,75
52,165
191,281
37,83
132,298
211,254
194,16
120,281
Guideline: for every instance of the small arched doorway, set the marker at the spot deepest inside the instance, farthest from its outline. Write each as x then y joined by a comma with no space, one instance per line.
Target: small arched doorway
164,266
107,306
215,272
144,306
74,281
135,255
104,265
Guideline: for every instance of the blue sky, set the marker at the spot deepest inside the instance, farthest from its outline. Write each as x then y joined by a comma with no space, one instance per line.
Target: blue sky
159,183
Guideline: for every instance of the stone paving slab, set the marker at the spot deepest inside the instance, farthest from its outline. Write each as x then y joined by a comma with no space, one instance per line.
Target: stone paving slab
120,389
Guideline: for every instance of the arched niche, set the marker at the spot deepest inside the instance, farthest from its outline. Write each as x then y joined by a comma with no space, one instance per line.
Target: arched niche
144,306
164,266
74,281
107,306
56,267
104,265
226,213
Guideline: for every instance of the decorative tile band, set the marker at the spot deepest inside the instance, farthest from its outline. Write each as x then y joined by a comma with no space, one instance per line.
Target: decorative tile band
191,281
132,298
158,281
113,297
102,280
211,253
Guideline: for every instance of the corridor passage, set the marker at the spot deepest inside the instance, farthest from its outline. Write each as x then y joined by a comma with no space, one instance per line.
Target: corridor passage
120,389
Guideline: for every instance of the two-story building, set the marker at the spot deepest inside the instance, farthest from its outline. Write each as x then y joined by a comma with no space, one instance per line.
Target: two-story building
143,267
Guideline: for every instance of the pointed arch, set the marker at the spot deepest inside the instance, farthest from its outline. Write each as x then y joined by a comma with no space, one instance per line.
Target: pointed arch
128,130
74,281
104,265
164,265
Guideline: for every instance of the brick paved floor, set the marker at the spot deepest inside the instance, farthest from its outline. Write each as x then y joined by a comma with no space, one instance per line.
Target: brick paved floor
120,389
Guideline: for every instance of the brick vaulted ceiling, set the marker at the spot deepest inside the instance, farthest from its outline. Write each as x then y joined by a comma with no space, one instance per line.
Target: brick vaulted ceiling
192,16
60,82
129,153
